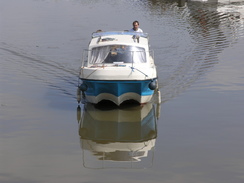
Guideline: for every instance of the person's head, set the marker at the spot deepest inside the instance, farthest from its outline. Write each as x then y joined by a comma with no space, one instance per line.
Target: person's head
135,25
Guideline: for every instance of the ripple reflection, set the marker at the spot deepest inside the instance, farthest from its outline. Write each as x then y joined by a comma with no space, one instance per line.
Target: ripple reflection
117,137
200,31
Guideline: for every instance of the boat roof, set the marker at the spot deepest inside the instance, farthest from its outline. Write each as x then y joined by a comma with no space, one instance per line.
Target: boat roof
119,38
110,33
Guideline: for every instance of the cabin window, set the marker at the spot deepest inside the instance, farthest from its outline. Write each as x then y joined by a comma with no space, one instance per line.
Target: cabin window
118,53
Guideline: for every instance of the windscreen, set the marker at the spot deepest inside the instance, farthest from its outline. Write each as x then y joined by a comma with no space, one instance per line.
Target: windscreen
118,53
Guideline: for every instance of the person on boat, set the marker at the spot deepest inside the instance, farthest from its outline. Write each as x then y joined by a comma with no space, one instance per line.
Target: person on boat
135,27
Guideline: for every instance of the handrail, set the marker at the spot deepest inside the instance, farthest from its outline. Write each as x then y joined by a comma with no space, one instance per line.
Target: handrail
107,33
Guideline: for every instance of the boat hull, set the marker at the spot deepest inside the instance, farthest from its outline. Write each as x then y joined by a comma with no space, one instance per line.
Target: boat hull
118,91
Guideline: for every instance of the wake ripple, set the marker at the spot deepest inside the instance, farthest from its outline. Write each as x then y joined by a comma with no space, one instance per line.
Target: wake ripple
209,31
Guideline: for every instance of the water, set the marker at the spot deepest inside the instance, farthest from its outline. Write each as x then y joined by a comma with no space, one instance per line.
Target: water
197,134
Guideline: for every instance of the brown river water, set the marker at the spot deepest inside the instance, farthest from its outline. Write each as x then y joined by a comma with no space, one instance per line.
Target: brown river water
195,135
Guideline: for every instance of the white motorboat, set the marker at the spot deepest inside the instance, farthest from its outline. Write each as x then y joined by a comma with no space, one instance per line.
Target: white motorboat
118,66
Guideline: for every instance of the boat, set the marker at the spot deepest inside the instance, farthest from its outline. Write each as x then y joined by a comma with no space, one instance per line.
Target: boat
118,66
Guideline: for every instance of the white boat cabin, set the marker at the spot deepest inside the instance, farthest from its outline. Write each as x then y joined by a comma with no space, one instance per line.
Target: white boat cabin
114,48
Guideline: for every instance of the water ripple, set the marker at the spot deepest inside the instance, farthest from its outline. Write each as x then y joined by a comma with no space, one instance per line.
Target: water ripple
47,72
209,31
187,41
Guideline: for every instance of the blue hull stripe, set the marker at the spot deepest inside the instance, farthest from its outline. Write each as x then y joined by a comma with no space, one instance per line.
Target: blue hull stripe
117,88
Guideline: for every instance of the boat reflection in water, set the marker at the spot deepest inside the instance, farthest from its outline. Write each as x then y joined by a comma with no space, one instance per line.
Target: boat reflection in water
118,137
